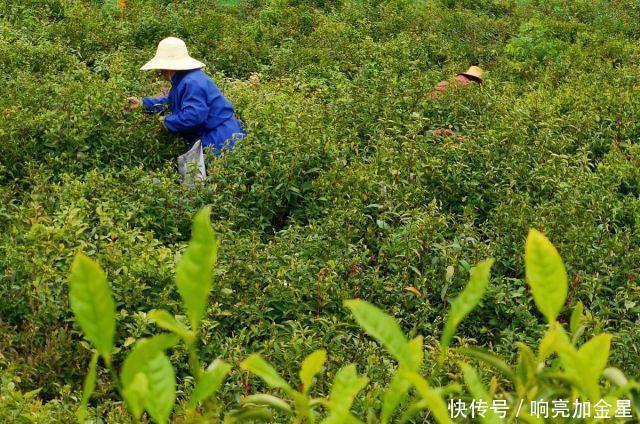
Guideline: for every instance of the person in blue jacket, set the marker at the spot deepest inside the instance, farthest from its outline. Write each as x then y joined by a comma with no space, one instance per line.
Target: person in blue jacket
198,109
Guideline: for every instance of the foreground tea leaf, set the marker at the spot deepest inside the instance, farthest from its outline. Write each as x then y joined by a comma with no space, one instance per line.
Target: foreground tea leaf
135,394
311,366
394,395
595,354
467,300
545,274
384,329
346,385
479,392
167,321
490,359
268,400
554,338
433,400
210,382
147,357
194,272
162,388
585,366
92,304
88,387
265,371
142,352
399,386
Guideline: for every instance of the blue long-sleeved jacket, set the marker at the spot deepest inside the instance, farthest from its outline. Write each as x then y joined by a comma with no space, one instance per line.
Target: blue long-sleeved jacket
199,110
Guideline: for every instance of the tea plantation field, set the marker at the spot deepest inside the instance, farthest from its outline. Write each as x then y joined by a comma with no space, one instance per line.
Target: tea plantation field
347,187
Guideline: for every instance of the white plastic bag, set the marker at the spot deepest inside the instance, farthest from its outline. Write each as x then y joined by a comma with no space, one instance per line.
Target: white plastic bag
191,165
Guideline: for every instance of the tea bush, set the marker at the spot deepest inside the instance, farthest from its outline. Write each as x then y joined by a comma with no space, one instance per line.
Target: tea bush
343,189
147,381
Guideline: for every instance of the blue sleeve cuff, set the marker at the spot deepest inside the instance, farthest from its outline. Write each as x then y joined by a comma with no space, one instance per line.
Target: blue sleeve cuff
154,104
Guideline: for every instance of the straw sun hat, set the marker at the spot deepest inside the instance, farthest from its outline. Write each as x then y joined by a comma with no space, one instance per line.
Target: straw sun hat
474,72
172,55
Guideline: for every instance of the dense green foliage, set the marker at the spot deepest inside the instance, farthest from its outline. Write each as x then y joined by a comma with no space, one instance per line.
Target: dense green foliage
341,190
561,369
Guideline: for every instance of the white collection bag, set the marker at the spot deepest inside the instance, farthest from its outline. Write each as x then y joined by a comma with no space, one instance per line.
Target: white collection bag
191,165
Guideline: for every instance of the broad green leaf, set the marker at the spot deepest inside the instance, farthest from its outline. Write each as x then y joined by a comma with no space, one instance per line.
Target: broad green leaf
478,391
244,415
553,338
399,386
92,304
545,274
147,357
268,400
576,318
467,300
265,371
135,394
142,352
311,366
88,387
346,385
394,395
490,359
167,321
384,329
162,388
194,272
416,346
595,355
434,401
210,382
585,366
526,368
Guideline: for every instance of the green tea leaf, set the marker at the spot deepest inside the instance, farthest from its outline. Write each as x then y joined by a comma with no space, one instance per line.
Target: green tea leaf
311,366
265,371
135,394
479,392
396,392
467,300
268,400
490,359
210,382
595,355
384,329
346,385
244,415
416,346
585,366
92,304
167,321
147,357
434,401
88,387
162,388
545,274
526,368
551,341
194,272
142,352
576,318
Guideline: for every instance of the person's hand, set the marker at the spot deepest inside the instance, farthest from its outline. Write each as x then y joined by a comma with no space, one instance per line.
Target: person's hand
161,118
132,103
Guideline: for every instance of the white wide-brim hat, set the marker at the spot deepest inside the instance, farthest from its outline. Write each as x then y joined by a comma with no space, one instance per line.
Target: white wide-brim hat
172,55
